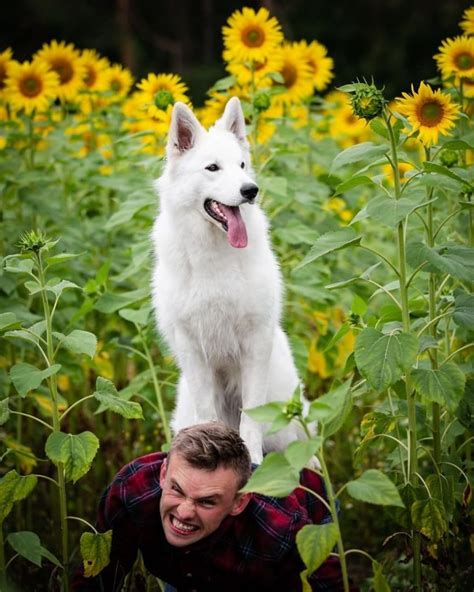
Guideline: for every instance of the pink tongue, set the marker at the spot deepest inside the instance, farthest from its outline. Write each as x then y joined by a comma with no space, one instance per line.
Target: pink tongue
236,233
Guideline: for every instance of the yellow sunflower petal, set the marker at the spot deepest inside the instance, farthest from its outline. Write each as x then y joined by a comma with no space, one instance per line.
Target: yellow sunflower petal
31,86
64,59
456,57
321,65
251,36
429,112
467,24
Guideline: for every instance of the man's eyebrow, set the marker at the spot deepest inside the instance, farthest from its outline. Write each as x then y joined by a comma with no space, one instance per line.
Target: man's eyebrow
176,484
212,497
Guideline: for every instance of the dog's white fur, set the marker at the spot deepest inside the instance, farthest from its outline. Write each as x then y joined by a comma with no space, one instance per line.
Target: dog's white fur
219,306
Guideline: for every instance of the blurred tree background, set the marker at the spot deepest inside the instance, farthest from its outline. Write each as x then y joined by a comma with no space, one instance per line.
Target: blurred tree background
391,40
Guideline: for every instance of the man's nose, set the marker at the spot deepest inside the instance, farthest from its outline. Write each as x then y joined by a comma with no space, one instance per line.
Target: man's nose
186,509
249,192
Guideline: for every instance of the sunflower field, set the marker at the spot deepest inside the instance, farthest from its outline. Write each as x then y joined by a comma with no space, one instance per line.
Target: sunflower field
370,203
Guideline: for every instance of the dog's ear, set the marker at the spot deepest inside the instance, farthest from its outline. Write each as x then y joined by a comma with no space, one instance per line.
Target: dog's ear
184,130
233,119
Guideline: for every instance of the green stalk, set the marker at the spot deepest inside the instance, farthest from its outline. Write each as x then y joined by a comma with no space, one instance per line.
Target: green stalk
436,427
156,385
410,391
335,518
56,424
332,506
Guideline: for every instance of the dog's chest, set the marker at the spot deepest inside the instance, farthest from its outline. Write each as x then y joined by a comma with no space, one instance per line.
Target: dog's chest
220,309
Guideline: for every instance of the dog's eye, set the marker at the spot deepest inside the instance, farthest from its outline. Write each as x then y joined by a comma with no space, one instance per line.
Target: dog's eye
242,165
212,167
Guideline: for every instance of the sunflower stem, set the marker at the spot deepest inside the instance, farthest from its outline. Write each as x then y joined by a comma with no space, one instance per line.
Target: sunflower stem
52,381
410,391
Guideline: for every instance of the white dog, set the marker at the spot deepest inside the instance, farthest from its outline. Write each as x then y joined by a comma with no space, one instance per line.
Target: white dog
216,284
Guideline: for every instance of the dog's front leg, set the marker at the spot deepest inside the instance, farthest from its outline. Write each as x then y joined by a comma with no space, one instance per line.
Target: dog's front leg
255,368
199,379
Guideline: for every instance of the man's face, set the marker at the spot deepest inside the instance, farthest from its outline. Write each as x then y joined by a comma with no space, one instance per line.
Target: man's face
195,501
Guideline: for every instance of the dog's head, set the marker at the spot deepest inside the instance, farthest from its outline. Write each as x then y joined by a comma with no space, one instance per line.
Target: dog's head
212,168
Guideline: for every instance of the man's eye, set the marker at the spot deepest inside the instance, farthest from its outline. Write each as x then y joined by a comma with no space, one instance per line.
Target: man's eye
175,489
212,167
242,165
207,503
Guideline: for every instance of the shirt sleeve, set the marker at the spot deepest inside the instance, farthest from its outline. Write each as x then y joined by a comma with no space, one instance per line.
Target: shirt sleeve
112,515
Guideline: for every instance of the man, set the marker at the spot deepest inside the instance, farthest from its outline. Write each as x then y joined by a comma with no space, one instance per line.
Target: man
184,513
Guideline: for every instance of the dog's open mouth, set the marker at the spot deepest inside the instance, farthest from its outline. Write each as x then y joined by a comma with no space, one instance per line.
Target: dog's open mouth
230,220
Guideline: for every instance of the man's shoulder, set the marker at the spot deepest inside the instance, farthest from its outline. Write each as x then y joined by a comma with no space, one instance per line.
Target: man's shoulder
142,465
139,479
269,525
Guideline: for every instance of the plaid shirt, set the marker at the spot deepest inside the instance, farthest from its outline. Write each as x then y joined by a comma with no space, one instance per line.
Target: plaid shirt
255,550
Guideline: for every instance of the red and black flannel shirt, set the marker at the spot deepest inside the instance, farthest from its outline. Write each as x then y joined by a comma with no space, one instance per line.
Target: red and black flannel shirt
255,550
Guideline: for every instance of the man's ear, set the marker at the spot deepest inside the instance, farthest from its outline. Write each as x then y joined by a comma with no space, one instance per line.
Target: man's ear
233,120
240,503
184,130
163,470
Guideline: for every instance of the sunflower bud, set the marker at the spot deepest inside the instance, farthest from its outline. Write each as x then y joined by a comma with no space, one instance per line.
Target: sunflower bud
449,158
367,101
293,408
32,241
261,101
163,98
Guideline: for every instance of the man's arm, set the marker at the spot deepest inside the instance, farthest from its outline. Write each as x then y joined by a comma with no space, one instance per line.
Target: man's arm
112,515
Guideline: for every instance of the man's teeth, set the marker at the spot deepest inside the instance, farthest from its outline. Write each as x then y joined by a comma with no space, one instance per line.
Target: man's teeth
182,526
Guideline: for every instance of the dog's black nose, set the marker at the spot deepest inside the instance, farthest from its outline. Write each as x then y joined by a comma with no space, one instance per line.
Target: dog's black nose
249,191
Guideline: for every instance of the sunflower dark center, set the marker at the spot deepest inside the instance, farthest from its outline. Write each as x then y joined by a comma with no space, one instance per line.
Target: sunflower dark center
289,74
91,76
30,87
430,114
163,98
464,61
64,70
116,85
253,37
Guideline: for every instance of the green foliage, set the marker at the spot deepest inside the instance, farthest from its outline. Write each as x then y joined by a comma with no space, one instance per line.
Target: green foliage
315,542
14,488
95,551
75,452
376,488
28,545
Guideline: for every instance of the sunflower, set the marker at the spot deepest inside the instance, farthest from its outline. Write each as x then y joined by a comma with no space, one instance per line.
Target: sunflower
344,126
403,169
251,36
214,106
320,64
117,81
5,62
94,68
456,57
65,61
467,24
31,86
258,71
160,92
296,73
429,112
